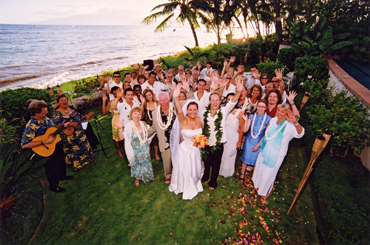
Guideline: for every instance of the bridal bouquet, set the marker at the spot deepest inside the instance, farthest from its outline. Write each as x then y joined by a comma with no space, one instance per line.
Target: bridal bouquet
200,141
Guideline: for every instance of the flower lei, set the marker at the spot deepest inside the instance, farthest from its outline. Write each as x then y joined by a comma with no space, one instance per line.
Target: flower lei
218,130
237,112
148,113
259,131
274,135
143,128
169,118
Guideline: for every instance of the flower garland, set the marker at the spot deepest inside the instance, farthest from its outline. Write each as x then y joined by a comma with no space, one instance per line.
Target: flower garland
259,131
147,111
276,133
144,139
169,117
218,130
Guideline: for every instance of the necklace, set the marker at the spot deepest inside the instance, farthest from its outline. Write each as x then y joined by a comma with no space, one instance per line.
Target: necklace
169,117
147,111
276,133
259,131
144,131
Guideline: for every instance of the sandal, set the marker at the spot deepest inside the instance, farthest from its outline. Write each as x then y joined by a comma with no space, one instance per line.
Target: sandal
167,181
137,183
240,178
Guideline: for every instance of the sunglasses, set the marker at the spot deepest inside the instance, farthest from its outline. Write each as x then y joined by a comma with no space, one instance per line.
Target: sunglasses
228,78
264,78
187,73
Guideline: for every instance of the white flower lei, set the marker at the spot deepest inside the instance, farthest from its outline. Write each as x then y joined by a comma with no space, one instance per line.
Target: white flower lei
274,135
169,117
143,128
259,131
147,111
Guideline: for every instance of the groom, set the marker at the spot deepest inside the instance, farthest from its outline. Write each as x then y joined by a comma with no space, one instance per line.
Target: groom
214,128
163,119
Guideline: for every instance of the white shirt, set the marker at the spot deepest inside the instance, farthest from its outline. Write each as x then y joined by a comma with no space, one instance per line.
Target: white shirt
203,101
211,122
179,77
124,111
203,73
231,89
250,81
111,85
156,88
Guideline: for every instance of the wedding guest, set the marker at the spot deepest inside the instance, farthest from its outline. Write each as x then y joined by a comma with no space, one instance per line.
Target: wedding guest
208,84
273,98
126,85
234,132
149,105
109,85
153,84
163,119
214,124
141,79
76,147
137,94
134,80
55,167
257,123
128,77
137,147
277,81
254,77
228,88
107,107
160,74
268,87
186,159
125,107
255,93
264,79
206,72
202,96
281,130
180,75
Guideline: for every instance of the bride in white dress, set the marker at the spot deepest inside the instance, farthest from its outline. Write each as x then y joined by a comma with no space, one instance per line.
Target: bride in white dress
186,159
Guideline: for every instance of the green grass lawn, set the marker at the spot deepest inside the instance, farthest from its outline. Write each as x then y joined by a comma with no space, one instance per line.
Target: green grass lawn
102,206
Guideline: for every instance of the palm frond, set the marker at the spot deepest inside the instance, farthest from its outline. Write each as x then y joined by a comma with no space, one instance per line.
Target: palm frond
162,26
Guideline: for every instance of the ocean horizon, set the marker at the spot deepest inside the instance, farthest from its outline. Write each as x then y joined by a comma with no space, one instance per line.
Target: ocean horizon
46,55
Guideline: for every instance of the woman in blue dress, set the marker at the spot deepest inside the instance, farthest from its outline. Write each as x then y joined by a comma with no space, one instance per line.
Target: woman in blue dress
137,146
257,123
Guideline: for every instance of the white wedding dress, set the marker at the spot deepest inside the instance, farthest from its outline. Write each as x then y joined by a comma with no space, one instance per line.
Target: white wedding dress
187,167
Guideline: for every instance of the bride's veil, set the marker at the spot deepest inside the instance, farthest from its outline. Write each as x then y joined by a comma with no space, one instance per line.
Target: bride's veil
176,130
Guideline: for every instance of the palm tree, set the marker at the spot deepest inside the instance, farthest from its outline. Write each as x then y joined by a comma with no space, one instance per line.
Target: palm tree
189,12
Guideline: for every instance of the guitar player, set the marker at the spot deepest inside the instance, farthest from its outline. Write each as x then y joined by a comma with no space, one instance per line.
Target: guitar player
55,167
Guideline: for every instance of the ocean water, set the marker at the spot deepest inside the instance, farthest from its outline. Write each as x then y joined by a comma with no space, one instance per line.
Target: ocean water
43,55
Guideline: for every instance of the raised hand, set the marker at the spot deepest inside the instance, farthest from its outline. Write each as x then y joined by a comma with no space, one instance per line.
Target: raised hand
119,93
134,66
239,85
290,117
232,59
185,84
99,79
176,93
279,74
224,82
291,96
225,63
146,67
104,97
105,78
199,65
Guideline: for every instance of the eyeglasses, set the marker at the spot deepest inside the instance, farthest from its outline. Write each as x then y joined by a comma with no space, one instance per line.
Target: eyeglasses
261,106
187,73
116,76
264,78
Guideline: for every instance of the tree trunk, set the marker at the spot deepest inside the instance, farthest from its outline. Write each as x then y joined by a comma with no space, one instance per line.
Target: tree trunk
308,9
194,33
278,26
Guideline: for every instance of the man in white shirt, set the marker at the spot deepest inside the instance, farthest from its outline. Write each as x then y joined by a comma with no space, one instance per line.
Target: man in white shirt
229,88
152,84
180,75
206,72
110,84
254,78
215,148
202,96
125,107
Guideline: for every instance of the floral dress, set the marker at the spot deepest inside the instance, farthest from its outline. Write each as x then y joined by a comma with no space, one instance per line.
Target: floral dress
76,147
141,166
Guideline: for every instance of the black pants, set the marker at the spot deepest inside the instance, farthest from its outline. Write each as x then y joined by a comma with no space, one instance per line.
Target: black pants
55,167
213,160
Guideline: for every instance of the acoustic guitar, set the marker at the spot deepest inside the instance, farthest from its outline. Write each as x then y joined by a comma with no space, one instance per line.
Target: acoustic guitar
69,130
46,150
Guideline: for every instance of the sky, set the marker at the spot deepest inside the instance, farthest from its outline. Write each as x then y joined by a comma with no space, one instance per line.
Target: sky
76,12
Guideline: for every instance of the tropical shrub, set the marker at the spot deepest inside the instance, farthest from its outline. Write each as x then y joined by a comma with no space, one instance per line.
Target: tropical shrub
312,66
269,67
12,103
8,133
287,57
